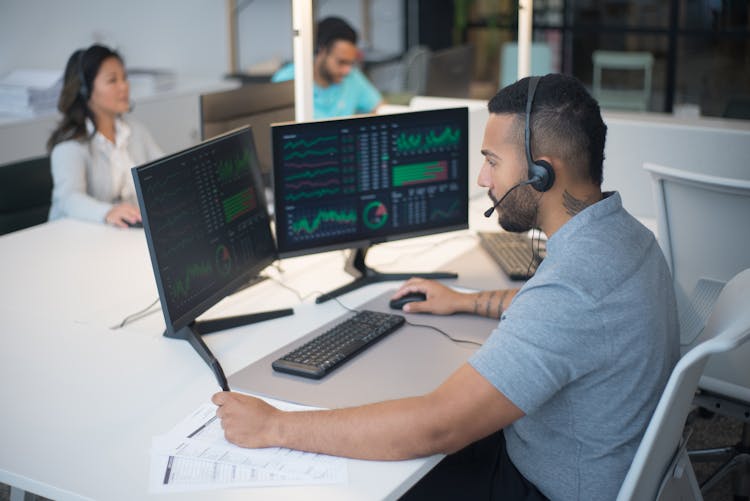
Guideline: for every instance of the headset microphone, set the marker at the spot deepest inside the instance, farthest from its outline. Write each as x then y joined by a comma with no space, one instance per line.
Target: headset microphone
489,211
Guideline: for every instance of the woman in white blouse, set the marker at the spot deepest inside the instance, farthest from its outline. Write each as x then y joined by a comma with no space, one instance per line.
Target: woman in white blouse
94,146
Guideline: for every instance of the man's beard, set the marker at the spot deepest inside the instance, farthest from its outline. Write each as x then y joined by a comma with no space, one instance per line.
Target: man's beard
324,73
518,211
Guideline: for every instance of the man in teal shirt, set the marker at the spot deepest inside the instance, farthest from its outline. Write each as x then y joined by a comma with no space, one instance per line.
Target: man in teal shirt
339,88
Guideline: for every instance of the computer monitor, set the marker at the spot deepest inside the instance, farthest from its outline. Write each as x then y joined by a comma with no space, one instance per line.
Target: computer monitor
350,183
208,231
450,71
257,105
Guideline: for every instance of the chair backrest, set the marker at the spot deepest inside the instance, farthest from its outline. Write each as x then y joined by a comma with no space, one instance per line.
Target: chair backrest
728,327
416,62
639,64
541,61
703,229
25,193
450,71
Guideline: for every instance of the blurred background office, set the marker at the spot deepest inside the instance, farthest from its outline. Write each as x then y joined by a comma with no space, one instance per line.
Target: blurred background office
692,53
662,61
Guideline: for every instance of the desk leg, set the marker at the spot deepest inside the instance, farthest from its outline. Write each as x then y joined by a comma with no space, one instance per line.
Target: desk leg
17,494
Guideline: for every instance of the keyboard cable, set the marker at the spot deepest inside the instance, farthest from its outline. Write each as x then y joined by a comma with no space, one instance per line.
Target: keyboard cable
455,340
302,298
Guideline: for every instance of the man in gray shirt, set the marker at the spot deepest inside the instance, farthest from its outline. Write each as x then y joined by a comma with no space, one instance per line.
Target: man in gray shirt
555,403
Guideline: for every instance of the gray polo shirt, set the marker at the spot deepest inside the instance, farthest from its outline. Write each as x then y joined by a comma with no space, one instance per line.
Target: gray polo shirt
585,350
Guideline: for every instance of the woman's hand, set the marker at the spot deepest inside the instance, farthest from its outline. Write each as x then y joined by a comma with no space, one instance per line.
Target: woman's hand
122,215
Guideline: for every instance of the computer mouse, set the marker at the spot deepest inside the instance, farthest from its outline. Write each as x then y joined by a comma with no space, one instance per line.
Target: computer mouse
137,224
399,303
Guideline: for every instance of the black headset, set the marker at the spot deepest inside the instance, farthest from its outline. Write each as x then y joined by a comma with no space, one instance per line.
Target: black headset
83,89
541,174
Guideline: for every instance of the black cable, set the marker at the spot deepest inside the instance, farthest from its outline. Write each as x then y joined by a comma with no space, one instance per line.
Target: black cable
539,237
420,248
294,291
136,316
426,326
531,261
455,340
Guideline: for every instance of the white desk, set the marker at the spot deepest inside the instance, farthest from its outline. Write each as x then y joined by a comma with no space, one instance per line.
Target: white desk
81,402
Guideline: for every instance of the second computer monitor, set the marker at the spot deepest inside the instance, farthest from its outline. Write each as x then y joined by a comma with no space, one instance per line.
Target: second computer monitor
206,224
352,182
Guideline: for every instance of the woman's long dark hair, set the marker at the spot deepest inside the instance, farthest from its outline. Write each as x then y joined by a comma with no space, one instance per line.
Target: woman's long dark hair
78,82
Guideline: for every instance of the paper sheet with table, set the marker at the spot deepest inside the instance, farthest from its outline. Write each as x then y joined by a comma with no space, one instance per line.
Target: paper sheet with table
194,456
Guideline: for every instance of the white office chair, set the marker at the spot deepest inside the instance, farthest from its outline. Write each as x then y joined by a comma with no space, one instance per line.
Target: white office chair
661,469
704,231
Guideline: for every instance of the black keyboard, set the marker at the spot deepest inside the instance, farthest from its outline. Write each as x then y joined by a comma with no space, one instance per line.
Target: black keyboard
512,252
329,350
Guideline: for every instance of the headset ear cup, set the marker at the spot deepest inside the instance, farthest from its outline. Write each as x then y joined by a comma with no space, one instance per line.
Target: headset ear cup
546,174
83,89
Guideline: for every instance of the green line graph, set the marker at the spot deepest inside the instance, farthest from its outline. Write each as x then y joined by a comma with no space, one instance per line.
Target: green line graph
444,214
311,174
319,193
290,145
229,169
408,142
306,153
181,288
345,217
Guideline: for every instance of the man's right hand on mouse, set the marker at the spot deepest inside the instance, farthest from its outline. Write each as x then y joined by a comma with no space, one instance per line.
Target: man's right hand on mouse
441,300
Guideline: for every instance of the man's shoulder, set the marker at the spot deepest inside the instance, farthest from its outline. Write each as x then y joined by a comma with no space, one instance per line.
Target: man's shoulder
284,73
356,77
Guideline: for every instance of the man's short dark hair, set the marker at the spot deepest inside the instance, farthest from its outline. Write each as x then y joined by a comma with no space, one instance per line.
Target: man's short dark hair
332,29
565,121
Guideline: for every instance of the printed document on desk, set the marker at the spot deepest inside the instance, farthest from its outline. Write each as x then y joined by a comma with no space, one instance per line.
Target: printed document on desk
195,456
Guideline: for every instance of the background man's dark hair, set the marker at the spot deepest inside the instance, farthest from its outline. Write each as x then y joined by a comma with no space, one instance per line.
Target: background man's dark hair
332,29
565,121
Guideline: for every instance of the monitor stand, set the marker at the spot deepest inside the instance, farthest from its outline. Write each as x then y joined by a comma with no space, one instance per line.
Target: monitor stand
194,331
355,266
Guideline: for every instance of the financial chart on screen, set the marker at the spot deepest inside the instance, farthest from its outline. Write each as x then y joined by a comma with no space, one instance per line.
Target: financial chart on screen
363,180
206,223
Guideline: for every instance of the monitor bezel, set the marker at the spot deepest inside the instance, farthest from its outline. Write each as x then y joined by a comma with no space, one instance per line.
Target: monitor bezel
363,243
239,279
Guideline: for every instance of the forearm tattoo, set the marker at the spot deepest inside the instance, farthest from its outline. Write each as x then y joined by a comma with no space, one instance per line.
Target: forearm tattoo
492,308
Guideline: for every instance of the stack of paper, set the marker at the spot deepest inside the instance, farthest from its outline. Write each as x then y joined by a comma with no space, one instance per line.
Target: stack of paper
195,456
29,92
146,81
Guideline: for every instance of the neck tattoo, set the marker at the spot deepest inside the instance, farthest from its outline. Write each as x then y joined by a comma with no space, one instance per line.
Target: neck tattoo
573,205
